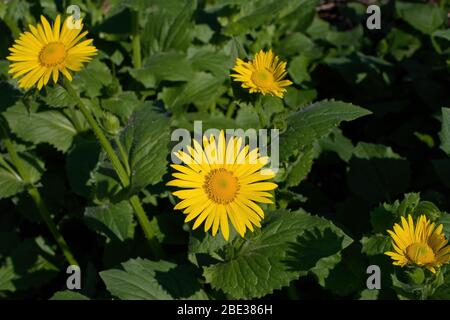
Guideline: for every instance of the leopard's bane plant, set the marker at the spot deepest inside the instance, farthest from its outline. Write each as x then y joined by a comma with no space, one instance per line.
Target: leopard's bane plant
45,51
222,181
264,74
421,244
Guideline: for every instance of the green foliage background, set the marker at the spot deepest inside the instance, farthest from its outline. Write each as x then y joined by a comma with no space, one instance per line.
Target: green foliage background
365,139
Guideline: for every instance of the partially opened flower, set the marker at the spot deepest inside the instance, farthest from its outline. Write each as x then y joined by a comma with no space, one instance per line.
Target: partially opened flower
222,181
45,51
264,74
423,244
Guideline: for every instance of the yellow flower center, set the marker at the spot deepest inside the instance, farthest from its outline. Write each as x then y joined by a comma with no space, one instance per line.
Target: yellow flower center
221,186
263,78
420,253
52,54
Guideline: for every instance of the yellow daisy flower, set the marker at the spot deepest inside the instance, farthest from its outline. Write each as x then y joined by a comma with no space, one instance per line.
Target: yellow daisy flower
423,245
263,74
222,181
44,51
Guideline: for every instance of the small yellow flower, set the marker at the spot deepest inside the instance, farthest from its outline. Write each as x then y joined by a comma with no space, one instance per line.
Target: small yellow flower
263,74
223,181
423,245
44,52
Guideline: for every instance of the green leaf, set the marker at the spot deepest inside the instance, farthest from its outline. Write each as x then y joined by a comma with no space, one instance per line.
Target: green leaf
445,131
300,168
92,79
122,105
169,66
115,221
201,89
314,122
423,17
338,143
376,244
58,97
261,14
146,139
280,252
140,279
12,183
52,127
29,266
68,295
298,69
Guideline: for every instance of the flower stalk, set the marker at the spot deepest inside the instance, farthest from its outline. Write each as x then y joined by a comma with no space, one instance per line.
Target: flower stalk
36,196
136,40
118,166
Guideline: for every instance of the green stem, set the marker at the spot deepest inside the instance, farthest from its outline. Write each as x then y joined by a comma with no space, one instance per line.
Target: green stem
259,110
118,167
123,154
124,178
36,196
147,227
136,40
40,204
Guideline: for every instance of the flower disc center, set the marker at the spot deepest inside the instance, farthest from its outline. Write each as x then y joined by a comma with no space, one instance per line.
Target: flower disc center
221,186
263,78
52,54
420,253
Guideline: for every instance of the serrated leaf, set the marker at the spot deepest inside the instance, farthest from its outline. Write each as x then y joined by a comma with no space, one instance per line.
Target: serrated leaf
146,139
52,127
271,258
115,221
140,279
314,122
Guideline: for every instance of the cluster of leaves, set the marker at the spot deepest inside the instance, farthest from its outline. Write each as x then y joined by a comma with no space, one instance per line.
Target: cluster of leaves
337,182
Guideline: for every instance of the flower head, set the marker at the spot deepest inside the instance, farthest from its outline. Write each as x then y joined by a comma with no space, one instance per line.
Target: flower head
422,244
44,52
263,74
222,181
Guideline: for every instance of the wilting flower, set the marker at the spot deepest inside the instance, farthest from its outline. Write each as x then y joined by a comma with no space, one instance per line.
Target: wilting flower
422,244
222,181
44,52
263,74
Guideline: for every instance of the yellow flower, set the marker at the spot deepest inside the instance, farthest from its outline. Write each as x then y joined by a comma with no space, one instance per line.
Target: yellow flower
263,74
222,181
423,245
44,51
